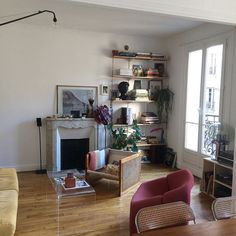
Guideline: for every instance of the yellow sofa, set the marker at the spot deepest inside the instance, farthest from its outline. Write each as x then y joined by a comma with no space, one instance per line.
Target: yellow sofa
9,189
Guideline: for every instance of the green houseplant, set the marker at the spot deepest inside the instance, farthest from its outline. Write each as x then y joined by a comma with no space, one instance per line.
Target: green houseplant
164,101
122,138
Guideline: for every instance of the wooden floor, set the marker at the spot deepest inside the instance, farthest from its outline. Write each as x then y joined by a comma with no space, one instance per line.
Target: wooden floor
40,213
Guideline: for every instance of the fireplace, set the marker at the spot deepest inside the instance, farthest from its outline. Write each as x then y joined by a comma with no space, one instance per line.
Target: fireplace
59,131
73,153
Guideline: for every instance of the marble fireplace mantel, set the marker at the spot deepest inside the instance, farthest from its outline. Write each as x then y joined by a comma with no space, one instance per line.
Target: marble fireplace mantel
57,129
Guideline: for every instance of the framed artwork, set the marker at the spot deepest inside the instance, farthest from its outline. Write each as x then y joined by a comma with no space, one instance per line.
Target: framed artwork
153,87
75,100
104,90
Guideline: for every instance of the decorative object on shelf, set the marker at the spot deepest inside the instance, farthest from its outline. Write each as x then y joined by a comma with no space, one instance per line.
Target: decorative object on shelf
126,47
154,86
126,53
138,70
75,98
137,84
70,180
115,52
139,95
122,138
123,89
90,108
114,94
164,100
75,114
150,72
126,115
161,68
125,72
104,90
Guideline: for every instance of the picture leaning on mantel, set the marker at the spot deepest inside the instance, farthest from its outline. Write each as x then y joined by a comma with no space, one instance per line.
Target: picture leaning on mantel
75,99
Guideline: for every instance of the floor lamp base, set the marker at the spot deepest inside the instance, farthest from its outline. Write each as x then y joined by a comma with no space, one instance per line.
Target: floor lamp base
43,171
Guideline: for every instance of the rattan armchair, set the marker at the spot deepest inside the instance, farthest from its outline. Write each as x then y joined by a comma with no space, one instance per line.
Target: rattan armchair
224,208
164,215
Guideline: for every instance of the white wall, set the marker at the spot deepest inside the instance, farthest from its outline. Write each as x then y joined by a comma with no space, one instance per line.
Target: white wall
33,60
176,47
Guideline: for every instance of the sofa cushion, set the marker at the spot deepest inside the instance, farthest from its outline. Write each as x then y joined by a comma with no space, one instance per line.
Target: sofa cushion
112,169
8,212
8,179
97,159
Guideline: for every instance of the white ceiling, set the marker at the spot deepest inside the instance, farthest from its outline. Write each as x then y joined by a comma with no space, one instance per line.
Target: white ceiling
96,18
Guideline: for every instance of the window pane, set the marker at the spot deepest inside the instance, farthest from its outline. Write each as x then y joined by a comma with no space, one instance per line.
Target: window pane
191,136
211,105
193,86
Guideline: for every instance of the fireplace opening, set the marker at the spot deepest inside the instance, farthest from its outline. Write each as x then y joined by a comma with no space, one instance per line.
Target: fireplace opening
73,153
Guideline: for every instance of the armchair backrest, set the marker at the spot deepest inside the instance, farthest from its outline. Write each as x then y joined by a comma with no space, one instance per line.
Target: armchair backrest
117,155
180,184
180,178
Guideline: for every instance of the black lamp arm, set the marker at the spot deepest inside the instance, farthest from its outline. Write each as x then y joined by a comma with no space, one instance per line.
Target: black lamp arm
27,16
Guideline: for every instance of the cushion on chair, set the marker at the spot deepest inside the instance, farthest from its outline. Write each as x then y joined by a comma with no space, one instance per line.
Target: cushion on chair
151,188
97,159
112,169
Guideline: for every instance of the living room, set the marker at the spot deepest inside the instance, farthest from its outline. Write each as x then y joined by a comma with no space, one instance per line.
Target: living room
37,55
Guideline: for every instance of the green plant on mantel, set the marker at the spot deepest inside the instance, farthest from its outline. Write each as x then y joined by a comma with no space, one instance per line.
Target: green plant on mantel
121,139
164,101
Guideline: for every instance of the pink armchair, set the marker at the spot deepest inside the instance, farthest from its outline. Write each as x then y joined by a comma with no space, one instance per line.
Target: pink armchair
174,187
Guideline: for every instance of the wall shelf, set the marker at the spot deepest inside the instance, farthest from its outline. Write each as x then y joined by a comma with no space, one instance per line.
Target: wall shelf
158,78
142,58
139,124
131,101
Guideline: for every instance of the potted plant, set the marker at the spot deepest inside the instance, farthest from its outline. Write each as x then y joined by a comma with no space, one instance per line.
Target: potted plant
122,138
164,100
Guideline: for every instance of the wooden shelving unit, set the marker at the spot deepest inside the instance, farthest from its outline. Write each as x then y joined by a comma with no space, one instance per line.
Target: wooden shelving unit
146,62
216,178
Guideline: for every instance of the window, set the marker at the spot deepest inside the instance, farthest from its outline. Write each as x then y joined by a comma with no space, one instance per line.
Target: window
203,98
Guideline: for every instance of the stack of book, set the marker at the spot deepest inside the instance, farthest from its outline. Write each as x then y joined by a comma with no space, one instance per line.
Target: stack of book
149,118
139,94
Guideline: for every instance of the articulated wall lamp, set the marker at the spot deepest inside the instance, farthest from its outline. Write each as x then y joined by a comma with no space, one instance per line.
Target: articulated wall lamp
27,16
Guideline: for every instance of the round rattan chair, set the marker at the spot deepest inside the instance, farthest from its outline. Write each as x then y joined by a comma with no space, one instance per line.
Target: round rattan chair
224,208
164,215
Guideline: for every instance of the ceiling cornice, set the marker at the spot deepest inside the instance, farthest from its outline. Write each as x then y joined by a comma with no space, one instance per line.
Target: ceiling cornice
220,12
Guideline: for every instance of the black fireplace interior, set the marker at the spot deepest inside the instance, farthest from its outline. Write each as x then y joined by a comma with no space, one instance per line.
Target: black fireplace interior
73,153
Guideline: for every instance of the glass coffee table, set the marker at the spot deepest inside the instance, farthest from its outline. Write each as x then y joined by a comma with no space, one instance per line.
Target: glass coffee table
57,179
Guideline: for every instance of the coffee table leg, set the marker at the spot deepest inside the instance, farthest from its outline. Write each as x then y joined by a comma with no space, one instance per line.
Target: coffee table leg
58,215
